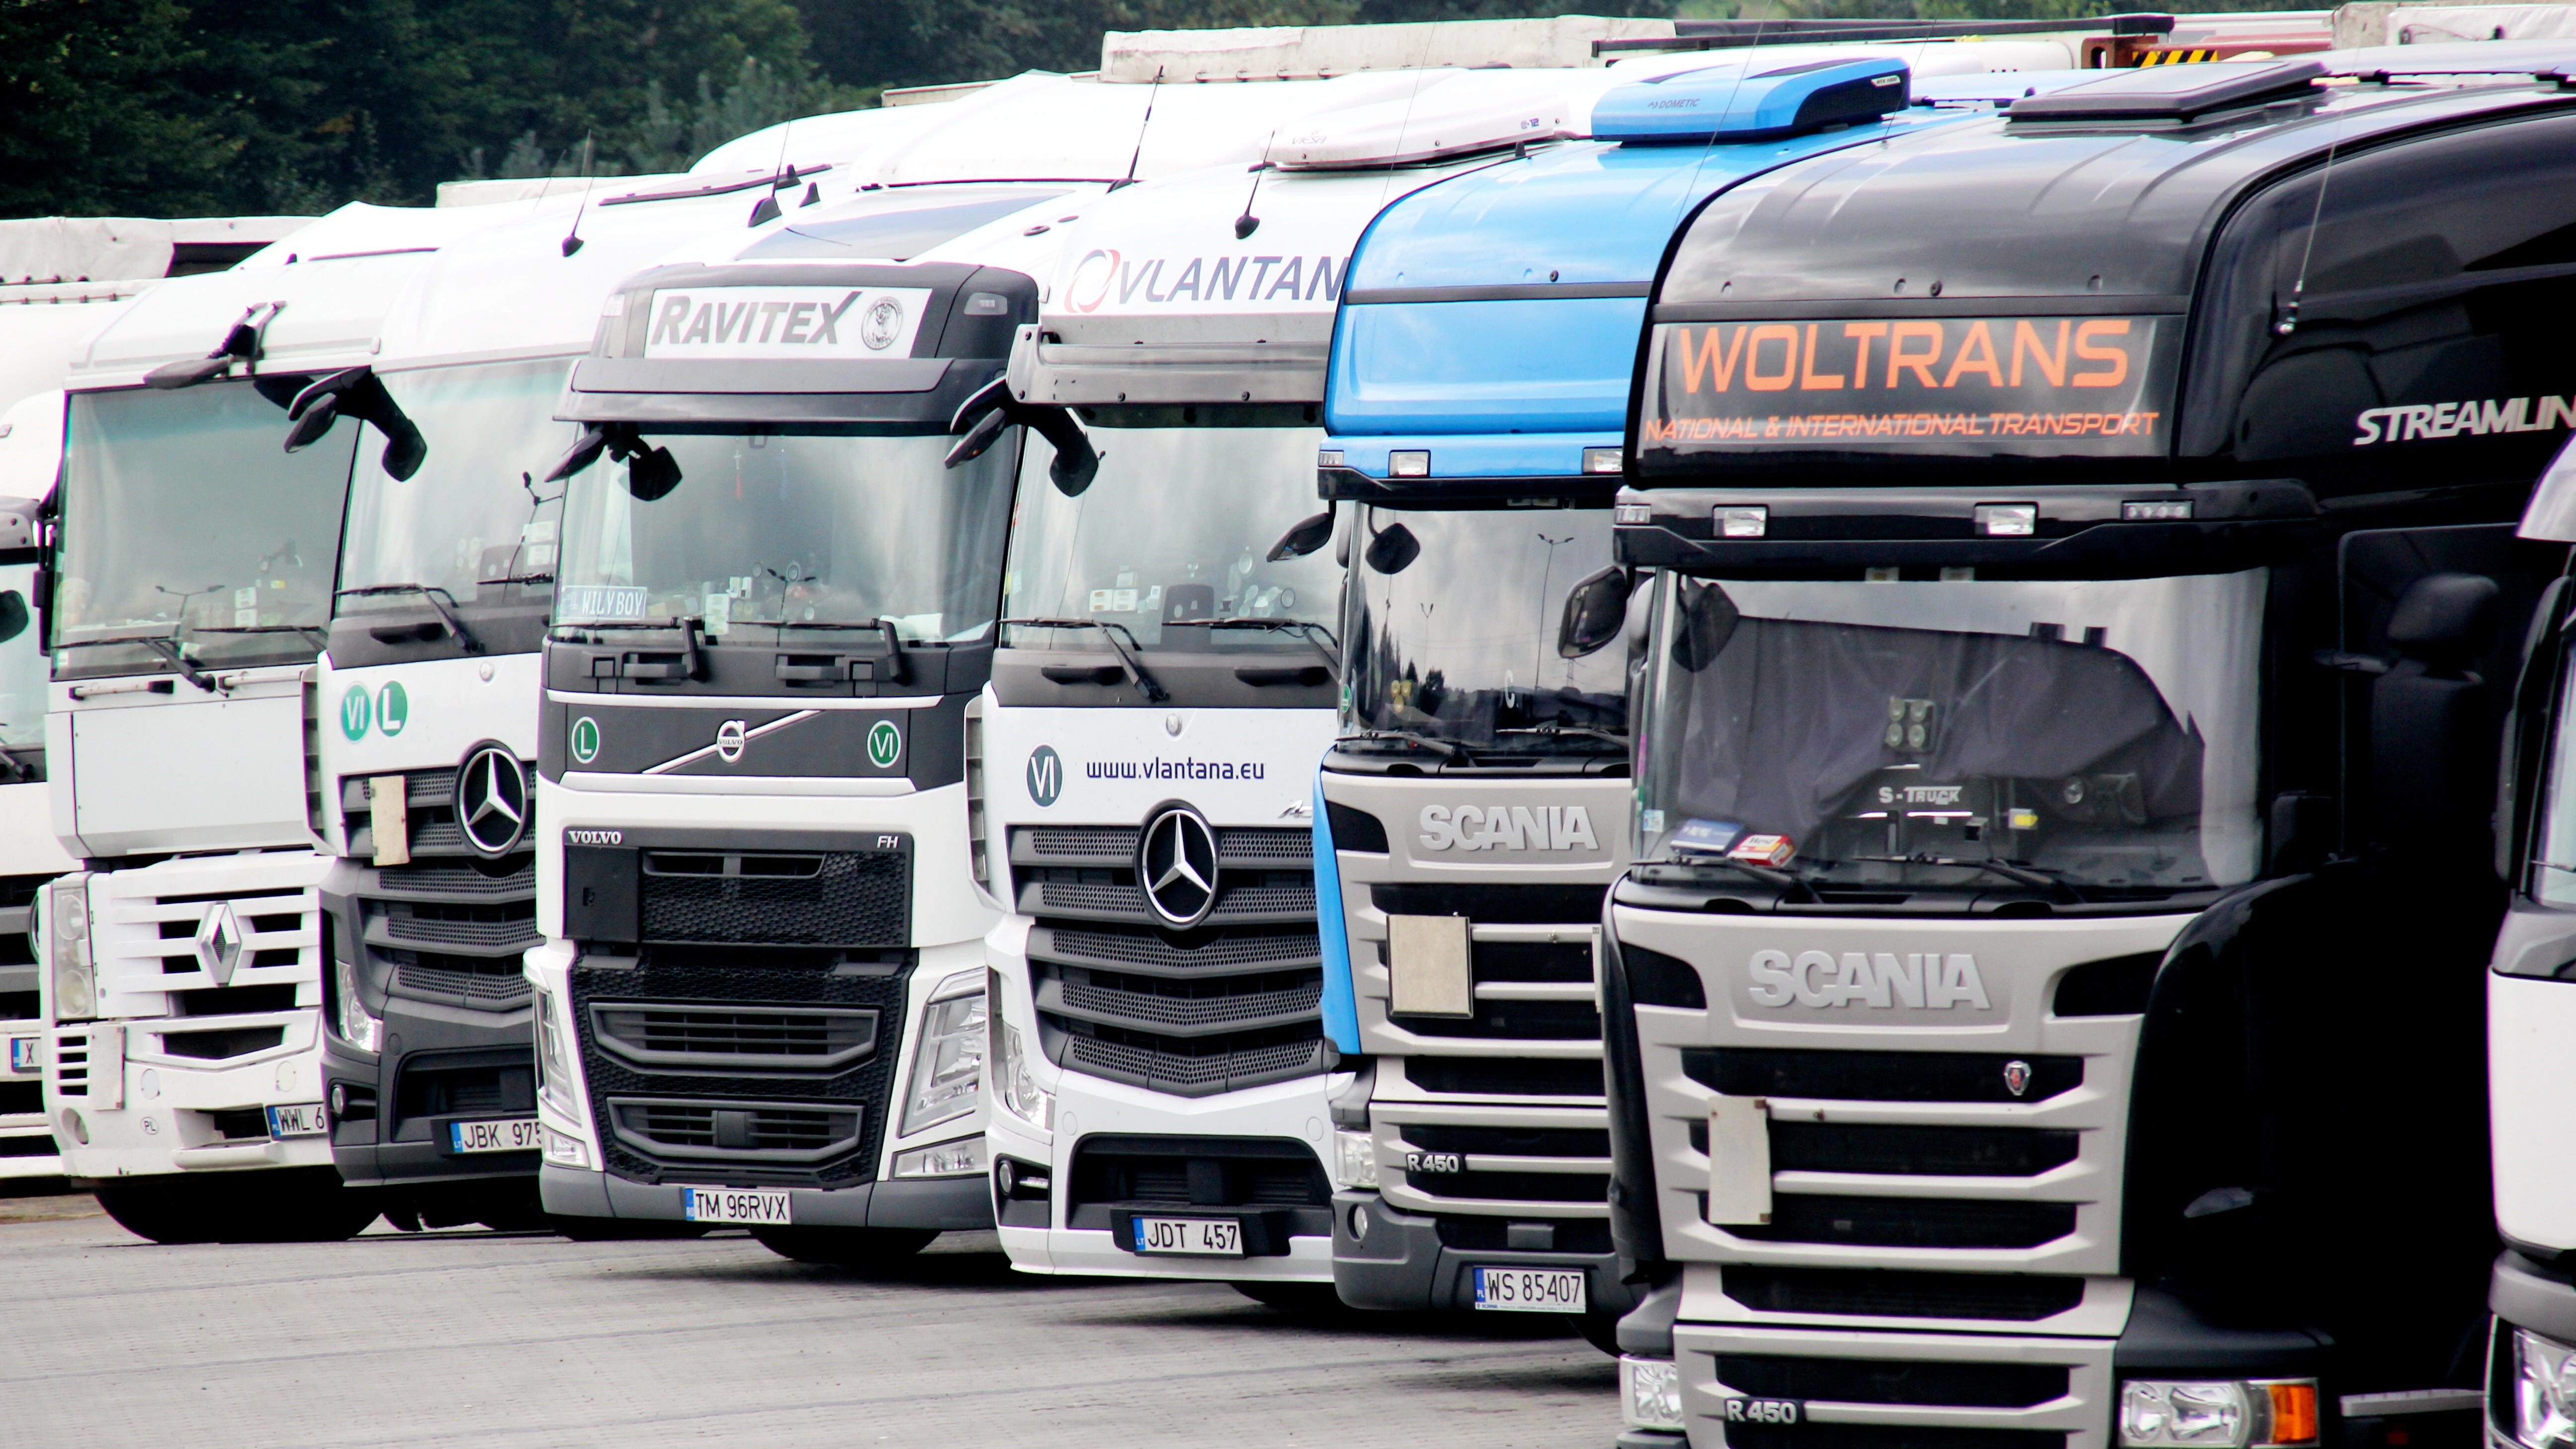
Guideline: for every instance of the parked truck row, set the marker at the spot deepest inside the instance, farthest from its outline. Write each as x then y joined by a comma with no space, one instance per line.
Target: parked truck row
1871,768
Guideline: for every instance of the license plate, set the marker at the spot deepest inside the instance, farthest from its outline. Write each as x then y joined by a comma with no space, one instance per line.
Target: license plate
1780,1412
1530,1290
1205,1237
22,1056
1433,1163
507,1134
759,1206
298,1119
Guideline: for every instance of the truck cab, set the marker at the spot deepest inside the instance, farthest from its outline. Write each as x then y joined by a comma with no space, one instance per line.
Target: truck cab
2063,776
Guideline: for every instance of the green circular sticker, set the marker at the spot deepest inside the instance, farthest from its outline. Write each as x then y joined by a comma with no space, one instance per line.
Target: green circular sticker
356,710
585,739
885,742
1046,775
393,708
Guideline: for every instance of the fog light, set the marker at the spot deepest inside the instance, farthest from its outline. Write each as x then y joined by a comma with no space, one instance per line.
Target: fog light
1359,1222
564,1151
2544,1391
1409,463
1601,460
2007,520
2261,1414
1650,1392
1357,1154
73,1124
1747,522
961,1158
339,1101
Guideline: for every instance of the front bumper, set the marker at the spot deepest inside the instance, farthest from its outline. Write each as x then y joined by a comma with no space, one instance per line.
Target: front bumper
177,1116
947,1204
1064,1233
1402,1264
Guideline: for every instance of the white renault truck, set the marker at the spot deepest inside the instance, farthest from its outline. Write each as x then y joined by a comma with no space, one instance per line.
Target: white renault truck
185,587
1143,758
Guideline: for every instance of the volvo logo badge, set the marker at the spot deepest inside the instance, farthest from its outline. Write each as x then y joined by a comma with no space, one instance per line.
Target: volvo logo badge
219,943
1176,864
2016,1077
729,741
492,800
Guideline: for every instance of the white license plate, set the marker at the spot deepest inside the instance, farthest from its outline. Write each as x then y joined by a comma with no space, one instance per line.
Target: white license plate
298,1119
1530,1290
506,1134
1205,1237
758,1206
22,1056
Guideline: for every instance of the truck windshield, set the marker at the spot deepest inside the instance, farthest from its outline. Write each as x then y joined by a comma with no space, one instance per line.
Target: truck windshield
767,533
1455,618
185,524
1173,532
473,522
22,673
2096,735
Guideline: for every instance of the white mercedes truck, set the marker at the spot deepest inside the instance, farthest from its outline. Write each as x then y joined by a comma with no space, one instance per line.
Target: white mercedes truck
185,588
1142,762
2046,1008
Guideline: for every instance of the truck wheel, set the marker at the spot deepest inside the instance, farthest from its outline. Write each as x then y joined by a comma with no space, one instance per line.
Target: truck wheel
147,1208
1311,1299
844,1247
1601,1330
313,1210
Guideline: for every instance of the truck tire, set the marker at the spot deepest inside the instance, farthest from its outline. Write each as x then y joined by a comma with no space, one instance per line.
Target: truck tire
1307,1299
844,1247
318,1209
149,1209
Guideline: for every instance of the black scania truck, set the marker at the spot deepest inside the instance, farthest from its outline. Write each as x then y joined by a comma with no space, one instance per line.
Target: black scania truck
2047,1007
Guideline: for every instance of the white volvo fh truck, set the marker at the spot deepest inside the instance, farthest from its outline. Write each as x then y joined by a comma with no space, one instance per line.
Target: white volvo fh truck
185,588
1141,765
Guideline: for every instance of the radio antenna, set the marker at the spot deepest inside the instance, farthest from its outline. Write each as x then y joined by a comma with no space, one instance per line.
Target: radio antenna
767,209
1139,153
1246,224
2289,322
572,238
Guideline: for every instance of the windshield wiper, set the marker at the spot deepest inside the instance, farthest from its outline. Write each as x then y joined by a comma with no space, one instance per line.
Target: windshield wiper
687,624
1549,731
517,579
2025,874
1786,882
1451,748
165,645
315,630
1316,636
1146,684
439,599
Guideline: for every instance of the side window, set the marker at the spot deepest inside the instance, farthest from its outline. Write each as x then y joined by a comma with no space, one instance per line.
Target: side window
2416,310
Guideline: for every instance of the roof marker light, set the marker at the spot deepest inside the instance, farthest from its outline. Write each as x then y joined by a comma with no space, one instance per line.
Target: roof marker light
2007,520
1752,521
1742,103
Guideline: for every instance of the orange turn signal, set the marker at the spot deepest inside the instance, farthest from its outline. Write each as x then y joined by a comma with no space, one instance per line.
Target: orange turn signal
2294,1412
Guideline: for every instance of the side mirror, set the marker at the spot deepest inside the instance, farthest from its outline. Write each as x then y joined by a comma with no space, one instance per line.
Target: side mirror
584,452
310,426
358,393
981,419
1303,538
1594,610
652,474
1392,551
14,616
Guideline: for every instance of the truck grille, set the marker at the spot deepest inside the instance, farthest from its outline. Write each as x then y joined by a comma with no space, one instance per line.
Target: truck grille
1968,1390
1233,1003
785,898
1110,1172
1886,1293
450,934
748,1068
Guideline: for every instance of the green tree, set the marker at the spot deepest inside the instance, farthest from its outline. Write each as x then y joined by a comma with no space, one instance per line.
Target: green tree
93,114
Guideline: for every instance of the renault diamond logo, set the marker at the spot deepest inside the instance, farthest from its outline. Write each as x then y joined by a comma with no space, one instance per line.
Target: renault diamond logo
1176,864
729,741
2016,1077
219,943
492,799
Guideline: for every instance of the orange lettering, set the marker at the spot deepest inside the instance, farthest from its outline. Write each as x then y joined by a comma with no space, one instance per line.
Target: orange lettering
1863,332
1976,354
1898,359
2118,357
1787,337
1712,358
1810,380
2026,339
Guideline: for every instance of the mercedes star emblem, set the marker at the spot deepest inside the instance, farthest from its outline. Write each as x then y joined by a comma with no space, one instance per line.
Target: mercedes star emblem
1176,864
219,943
492,799
2016,1077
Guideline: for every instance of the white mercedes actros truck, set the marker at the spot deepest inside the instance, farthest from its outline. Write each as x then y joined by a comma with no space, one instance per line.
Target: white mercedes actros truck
2046,1009
1142,763
185,587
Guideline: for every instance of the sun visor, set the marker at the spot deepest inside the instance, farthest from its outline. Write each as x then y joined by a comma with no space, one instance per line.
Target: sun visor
1168,360
1733,103
1449,114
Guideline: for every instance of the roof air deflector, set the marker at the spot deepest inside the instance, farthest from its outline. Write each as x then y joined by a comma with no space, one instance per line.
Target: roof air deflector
2173,92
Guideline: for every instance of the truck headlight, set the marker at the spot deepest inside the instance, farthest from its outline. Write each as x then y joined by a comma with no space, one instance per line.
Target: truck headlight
555,1078
1650,1392
1357,1153
75,969
2544,1391
1014,1085
947,1054
358,1026
2256,1414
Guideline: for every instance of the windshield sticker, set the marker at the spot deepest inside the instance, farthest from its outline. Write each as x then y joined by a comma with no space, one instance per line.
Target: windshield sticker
2427,422
600,601
2035,385
1708,835
799,322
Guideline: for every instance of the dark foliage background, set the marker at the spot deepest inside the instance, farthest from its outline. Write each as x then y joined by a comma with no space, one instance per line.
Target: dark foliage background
209,107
